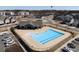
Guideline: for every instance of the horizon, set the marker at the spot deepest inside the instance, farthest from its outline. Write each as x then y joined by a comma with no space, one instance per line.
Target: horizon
39,7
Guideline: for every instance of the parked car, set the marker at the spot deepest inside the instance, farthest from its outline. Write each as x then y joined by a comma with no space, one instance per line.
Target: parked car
1,22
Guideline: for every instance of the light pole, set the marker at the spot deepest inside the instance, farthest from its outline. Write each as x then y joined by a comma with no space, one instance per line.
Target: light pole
51,3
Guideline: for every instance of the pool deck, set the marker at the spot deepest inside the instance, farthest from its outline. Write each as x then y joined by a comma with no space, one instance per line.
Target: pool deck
25,35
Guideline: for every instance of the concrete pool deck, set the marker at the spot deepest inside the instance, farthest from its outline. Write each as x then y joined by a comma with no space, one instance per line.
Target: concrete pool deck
26,37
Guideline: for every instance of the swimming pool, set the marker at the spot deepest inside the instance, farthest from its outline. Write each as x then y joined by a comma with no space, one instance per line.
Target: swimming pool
46,36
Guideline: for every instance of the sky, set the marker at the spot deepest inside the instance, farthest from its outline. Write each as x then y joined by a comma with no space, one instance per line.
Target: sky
39,8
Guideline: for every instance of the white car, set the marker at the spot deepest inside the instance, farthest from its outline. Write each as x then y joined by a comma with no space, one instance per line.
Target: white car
1,22
7,21
13,20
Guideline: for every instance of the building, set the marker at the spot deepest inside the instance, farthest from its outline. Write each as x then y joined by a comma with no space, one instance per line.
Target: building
23,13
7,13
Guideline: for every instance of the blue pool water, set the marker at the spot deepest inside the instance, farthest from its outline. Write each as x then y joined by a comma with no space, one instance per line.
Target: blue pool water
46,36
